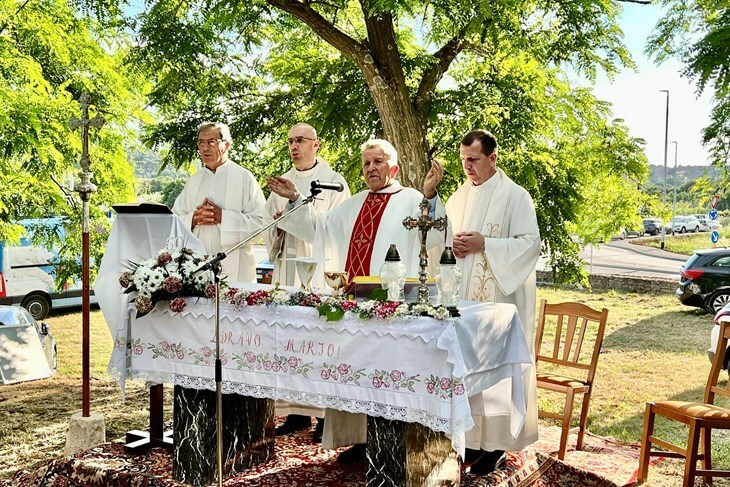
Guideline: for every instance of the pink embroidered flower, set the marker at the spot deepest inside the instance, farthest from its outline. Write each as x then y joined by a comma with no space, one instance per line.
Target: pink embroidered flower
267,365
180,355
343,368
325,374
395,375
445,383
224,360
293,362
177,305
138,350
207,352
143,304
276,366
125,279
430,388
459,389
165,346
172,284
210,290
164,258
377,382
251,357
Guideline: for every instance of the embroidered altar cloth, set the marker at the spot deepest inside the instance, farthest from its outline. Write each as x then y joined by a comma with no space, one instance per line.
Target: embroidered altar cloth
413,370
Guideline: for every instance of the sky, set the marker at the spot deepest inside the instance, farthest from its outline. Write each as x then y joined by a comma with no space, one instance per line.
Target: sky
637,100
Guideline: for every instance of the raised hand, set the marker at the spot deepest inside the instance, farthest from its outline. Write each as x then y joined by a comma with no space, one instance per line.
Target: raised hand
283,187
433,178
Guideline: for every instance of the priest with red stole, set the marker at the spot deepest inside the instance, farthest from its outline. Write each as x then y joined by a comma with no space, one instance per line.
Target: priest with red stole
355,237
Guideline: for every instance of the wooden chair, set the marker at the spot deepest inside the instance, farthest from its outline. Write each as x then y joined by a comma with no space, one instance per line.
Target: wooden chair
701,417
572,324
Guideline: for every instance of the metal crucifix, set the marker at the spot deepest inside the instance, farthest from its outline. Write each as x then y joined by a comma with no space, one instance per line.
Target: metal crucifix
85,189
424,224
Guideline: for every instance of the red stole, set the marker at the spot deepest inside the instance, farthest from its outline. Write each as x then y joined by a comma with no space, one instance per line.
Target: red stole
362,240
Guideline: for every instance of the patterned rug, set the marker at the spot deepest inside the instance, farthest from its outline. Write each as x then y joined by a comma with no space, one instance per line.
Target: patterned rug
299,463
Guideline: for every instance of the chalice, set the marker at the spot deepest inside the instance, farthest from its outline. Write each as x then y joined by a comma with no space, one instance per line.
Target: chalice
305,270
336,280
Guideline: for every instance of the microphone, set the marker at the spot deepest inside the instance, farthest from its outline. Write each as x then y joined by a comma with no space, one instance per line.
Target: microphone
318,185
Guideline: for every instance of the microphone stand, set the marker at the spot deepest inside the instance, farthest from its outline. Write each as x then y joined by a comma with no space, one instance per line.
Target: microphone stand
215,266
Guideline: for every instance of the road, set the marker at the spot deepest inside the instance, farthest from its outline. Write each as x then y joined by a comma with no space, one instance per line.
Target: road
624,258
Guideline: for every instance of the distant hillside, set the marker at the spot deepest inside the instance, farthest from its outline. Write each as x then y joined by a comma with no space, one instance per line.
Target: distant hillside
685,174
146,165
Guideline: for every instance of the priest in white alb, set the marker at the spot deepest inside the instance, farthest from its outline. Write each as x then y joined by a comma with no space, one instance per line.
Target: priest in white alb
497,243
354,237
303,144
222,203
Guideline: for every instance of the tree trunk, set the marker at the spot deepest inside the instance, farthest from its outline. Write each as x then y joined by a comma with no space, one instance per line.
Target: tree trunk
402,129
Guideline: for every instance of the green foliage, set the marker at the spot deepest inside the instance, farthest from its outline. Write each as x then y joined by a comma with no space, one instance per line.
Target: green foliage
698,33
48,57
420,73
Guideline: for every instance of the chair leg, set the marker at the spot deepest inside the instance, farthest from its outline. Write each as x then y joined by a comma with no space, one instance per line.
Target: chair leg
567,415
646,444
706,436
693,444
583,420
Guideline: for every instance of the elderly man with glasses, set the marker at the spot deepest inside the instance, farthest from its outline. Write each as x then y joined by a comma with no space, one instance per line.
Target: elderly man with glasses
303,145
222,203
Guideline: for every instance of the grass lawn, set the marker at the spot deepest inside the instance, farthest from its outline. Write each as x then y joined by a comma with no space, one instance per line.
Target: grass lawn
685,244
654,349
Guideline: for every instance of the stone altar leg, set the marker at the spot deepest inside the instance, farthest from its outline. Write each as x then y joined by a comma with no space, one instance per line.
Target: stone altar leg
248,435
409,455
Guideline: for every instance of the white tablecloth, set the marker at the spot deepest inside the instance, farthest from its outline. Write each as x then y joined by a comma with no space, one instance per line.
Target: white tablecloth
415,370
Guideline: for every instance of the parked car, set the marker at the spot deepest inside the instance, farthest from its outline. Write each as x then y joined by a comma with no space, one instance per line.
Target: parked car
704,280
652,226
625,233
684,224
15,316
704,222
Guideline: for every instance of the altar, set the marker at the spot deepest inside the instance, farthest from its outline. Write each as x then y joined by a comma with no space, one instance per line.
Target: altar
413,370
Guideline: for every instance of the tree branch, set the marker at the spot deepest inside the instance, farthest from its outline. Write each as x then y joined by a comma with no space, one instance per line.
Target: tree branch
431,77
5,25
321,26
643,2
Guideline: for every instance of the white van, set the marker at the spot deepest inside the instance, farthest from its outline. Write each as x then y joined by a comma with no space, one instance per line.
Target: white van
27,276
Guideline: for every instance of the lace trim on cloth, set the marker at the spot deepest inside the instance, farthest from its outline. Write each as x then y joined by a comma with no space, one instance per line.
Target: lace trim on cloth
454,429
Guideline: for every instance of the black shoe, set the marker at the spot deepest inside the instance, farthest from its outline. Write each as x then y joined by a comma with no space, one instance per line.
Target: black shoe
488,462
351,456
294,422
317,433
472,455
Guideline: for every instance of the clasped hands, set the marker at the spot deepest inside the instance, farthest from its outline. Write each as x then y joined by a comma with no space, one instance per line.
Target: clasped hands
465,243
208,213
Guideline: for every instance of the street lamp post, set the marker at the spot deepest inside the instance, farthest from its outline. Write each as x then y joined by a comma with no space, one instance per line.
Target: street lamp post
666,148
674,181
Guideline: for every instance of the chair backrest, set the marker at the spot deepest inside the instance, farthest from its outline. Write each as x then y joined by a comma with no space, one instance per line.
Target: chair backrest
712,388
570,326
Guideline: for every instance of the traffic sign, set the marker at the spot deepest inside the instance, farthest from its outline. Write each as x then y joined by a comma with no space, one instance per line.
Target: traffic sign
713,214
714,200
715,236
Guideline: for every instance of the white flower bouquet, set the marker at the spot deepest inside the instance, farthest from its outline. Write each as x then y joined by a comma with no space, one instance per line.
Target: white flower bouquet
168,277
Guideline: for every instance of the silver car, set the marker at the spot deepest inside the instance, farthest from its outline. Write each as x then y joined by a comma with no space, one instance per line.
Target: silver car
684,224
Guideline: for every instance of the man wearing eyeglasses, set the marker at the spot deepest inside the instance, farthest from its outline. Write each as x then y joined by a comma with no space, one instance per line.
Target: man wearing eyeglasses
355,237
222,203
303,145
